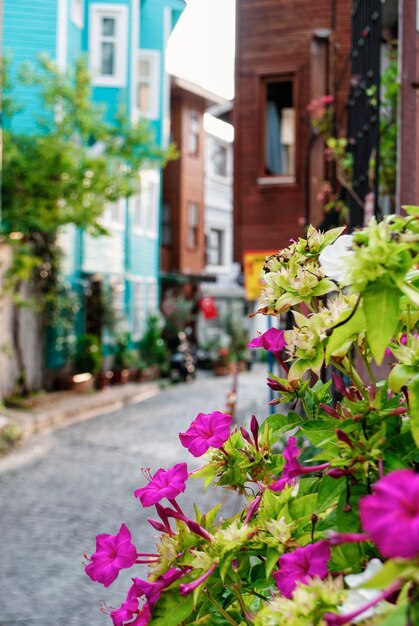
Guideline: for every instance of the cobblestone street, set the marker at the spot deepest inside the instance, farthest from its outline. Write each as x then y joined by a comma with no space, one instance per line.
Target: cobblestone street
70,484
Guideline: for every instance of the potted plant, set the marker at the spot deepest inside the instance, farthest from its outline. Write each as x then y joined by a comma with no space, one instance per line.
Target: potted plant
153,349
222,362
121,359
87,363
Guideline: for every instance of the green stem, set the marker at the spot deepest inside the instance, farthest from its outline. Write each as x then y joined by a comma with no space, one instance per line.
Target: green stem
221,610
351,373
408,320
244,609
367,365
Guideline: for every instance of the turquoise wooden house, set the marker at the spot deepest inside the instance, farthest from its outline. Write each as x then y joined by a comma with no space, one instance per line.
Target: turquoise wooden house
125,41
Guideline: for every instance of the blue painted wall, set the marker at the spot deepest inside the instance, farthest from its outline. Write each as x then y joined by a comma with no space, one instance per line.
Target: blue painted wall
30,27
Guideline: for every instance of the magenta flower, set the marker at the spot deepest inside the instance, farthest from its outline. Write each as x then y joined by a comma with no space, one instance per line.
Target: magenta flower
391,514
186,589
113,553
208,430
271,340
164,484
153,590
127,610
301,565
292,467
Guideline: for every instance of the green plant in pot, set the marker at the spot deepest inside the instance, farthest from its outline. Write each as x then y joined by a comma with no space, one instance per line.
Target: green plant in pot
153,350
121,358
88,355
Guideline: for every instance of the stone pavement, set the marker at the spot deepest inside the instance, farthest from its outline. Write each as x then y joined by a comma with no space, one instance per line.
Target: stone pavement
59,407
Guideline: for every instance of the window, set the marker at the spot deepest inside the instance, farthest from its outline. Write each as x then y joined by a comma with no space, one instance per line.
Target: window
148,83
215,241
279,131
146,203
193,222
166,235
114,213
193,132
219,159
108,44
144,303
77,12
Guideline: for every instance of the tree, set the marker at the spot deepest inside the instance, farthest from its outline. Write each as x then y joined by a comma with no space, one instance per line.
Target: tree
64,172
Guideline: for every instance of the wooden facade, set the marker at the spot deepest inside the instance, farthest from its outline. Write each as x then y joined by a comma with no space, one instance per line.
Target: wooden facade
183,241
303,48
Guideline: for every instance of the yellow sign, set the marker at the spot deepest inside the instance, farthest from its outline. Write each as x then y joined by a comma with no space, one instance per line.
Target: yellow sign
253,262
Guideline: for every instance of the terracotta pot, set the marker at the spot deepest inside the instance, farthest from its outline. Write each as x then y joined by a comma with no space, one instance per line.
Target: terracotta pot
221,369
120,377
79,383
103,380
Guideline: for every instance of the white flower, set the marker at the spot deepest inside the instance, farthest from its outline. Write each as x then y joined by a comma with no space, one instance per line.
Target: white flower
333,258
357,597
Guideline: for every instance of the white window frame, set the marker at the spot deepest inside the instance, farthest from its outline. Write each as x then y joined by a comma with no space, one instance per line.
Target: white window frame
147,288
119,13
147,210
77,12
108,218
153,80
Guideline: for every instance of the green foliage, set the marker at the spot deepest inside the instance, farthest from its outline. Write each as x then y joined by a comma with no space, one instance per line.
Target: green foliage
308,476
88,355
153,350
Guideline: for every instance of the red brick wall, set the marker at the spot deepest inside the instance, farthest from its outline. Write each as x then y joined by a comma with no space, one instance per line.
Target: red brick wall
274,37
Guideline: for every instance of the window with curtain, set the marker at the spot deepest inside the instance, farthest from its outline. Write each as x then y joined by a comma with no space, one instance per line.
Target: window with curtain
279,129
148,83
193,224
193,132
214,247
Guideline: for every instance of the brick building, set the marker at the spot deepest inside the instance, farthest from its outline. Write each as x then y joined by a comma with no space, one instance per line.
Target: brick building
287,53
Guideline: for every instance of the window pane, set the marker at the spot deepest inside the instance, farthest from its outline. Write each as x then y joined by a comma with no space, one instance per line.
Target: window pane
108,58
219,159
144,96
215,247
144,68
108,26
279,129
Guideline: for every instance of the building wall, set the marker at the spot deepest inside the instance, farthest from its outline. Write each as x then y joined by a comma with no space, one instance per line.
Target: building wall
274,39
184,184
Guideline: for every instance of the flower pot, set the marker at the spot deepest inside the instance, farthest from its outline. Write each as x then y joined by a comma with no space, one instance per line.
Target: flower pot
120,377
80,383
221,369
103,380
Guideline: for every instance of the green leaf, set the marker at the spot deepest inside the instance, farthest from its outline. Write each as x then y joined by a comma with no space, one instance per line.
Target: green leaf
342,334
414,408
303,507
329,492
398,617
171,609
272,557
400,376
381,304
280,424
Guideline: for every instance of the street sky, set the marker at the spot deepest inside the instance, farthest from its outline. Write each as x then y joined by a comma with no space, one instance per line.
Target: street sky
201,48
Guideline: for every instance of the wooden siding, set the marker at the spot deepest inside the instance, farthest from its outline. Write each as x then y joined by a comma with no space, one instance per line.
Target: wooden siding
26,33
274,38
183,182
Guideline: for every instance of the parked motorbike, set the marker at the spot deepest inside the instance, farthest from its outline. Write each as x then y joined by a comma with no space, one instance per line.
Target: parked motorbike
182,361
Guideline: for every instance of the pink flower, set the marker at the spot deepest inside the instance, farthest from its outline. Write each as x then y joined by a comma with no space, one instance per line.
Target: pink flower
301,565
153,590
186,589
208,430
127,610
164,484
113,553
391,514
292,467
271,340
327,100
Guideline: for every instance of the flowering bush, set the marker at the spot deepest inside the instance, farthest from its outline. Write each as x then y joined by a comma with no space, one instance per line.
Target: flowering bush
329,529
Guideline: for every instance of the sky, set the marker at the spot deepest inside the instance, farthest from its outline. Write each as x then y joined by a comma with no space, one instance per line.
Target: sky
201,48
